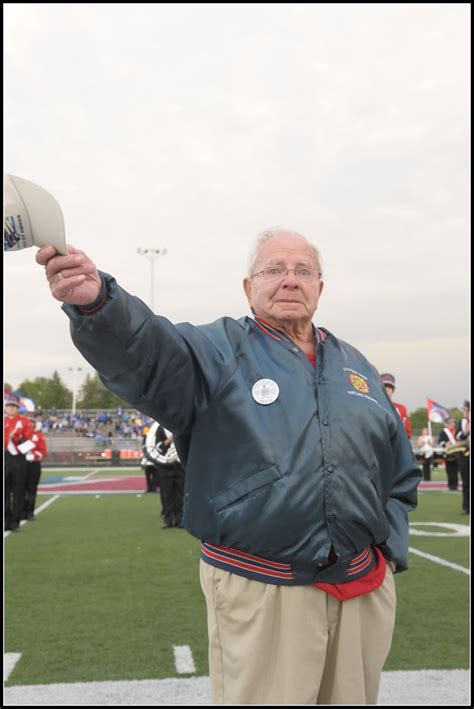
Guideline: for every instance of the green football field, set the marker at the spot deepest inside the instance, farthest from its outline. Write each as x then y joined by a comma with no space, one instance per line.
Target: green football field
96,590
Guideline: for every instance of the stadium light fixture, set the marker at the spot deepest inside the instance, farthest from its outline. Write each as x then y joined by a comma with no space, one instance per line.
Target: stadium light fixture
151,255
74,371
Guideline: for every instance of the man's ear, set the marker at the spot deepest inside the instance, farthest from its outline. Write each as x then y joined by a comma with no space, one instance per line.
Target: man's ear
247,283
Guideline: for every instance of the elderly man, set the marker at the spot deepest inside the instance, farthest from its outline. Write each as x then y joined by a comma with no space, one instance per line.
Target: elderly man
300,501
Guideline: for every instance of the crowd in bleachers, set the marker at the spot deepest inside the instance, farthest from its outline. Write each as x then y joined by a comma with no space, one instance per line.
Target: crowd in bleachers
102,425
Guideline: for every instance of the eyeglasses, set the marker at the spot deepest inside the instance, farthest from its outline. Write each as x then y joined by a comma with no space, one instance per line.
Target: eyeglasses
274,273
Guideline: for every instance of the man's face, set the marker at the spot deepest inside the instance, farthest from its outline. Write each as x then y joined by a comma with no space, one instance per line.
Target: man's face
389,391
287,299
11,410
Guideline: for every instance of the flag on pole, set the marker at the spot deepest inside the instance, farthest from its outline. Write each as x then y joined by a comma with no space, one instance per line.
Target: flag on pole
436,412
26,404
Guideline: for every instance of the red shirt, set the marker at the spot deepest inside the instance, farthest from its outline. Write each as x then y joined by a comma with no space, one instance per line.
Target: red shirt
41,449
404,417
16,430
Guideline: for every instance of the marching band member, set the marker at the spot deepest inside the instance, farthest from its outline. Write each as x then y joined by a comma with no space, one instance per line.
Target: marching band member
161,451
34,459
389,383
18,434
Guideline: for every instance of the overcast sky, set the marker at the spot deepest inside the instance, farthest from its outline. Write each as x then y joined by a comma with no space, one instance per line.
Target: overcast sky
193,127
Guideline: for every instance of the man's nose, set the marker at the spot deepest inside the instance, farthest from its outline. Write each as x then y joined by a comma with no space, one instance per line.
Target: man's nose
290,280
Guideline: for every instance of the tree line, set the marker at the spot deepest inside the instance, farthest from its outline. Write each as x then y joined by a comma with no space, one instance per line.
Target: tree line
51,393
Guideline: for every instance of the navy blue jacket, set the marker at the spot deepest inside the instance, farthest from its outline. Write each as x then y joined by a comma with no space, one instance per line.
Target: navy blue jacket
328,463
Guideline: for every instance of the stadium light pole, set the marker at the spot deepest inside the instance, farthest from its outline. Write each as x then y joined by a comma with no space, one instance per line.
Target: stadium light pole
74,371
151,255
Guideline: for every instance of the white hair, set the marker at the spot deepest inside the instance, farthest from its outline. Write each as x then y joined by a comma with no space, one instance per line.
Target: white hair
273,232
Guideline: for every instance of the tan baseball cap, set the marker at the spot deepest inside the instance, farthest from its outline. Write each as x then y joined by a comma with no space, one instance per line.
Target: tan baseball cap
32,217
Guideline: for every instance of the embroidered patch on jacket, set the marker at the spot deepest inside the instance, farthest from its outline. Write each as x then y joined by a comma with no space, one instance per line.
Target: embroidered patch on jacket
361,386
359,383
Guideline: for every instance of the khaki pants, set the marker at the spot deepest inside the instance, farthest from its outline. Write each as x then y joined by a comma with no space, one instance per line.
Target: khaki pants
294,644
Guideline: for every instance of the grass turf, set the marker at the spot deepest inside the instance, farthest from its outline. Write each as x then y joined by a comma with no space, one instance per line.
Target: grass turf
96,590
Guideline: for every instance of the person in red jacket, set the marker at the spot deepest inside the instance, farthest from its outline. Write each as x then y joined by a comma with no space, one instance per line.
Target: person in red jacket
389,383
34,458
18,433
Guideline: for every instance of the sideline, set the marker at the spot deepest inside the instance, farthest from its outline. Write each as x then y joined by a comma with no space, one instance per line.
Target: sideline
398,688
9,661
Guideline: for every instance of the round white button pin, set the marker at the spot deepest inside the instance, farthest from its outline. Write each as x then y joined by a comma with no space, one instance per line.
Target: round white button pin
265,391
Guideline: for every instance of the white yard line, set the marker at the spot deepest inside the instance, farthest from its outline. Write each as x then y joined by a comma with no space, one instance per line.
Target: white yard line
90,492
96,470
45,505
37,511
423,687
105,468
9,661
438,560
48,503
183,659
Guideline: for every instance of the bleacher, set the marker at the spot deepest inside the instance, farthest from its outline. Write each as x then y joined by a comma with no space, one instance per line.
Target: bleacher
93,436
65,449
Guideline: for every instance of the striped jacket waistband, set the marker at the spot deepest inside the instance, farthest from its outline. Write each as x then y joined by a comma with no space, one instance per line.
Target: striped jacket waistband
259,569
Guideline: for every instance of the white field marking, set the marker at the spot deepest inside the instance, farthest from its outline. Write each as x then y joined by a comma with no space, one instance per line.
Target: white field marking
441,562
49,471
99,481
458,530
183,659
93,472
73,478
72,483
82,477
89,492
37,511
103,468
399,688
46,504
45,470
9,661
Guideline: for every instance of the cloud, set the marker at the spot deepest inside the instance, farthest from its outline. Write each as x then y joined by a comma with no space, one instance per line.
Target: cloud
194,127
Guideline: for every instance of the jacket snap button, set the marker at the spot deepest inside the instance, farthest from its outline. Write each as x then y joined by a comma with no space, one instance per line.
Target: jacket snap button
325,422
